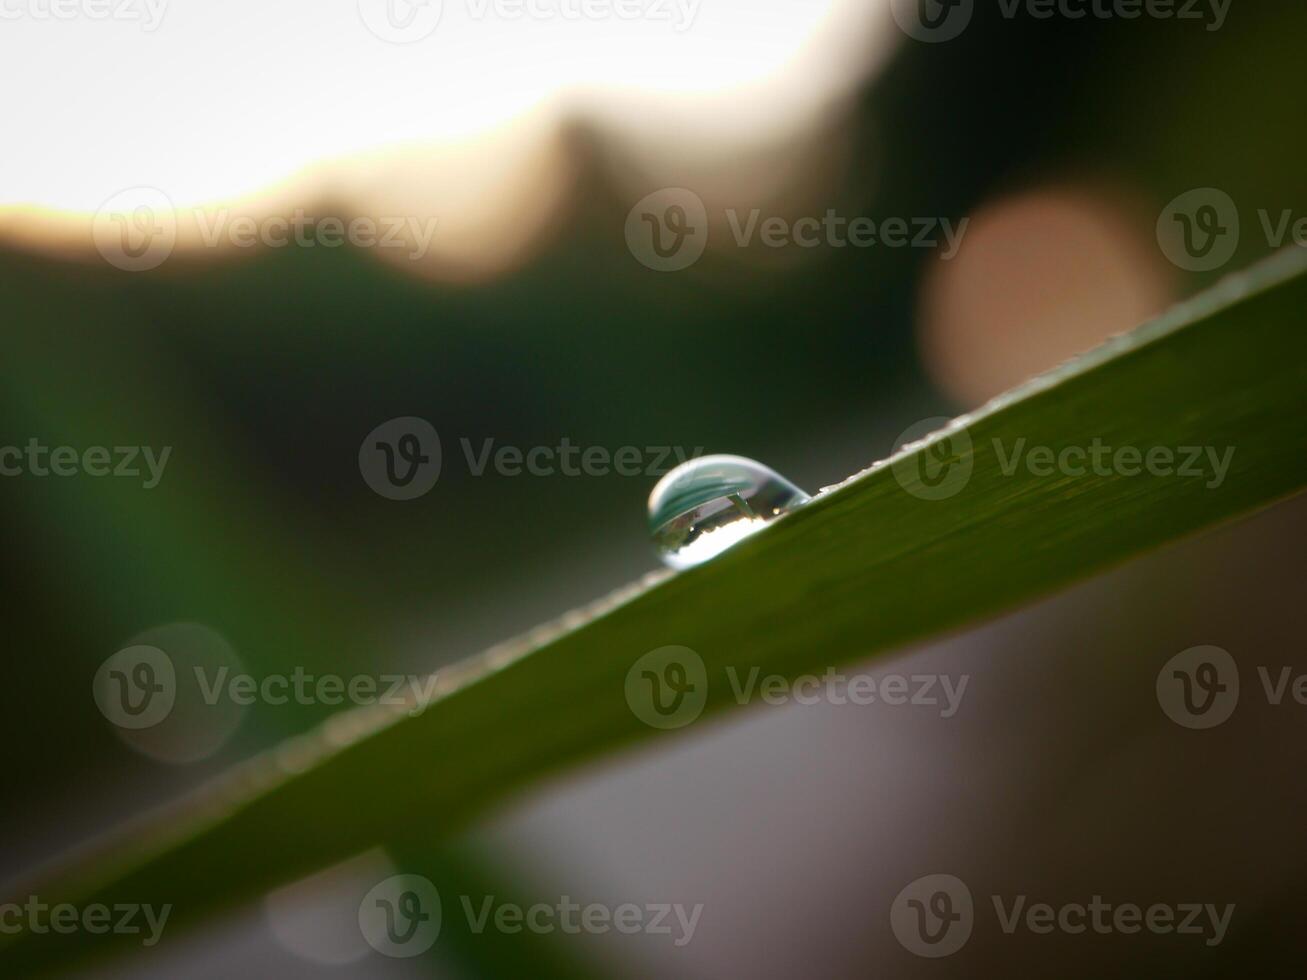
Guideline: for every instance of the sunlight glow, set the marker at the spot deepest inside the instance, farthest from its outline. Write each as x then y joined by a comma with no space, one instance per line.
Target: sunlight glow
277,103
713,542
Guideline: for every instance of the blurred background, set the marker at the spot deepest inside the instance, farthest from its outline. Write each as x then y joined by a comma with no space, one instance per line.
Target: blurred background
542,305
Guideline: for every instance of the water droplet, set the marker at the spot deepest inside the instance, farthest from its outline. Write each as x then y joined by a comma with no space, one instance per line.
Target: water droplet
705,505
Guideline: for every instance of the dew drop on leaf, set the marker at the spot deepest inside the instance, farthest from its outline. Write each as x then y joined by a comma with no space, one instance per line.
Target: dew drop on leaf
705,505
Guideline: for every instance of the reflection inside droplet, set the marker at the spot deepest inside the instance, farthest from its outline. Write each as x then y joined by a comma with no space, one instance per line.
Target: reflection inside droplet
705,505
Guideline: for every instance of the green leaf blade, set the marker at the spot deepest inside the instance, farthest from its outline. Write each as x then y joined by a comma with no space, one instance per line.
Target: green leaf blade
864,568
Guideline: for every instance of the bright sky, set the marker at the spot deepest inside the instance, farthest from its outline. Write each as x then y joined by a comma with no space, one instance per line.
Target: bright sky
214,99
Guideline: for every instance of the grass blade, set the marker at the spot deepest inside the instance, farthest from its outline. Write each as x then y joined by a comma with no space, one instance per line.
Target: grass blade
864,568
